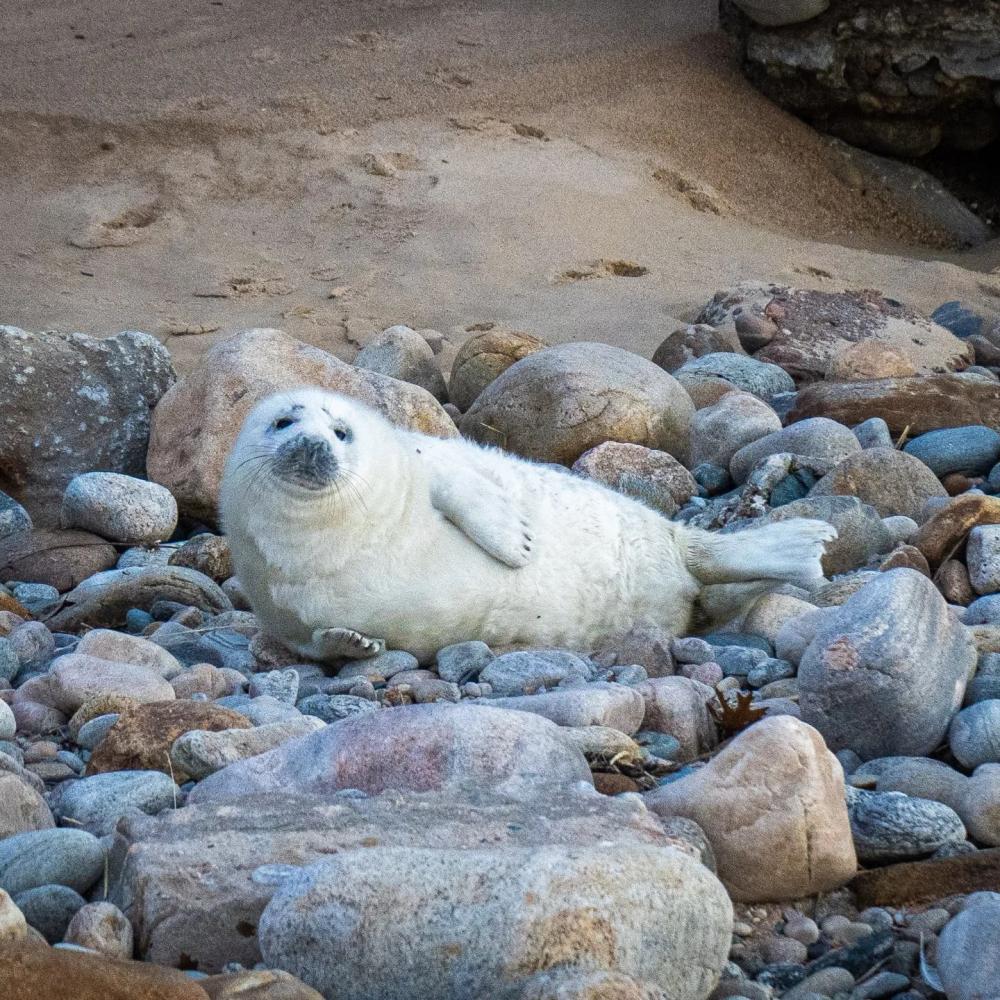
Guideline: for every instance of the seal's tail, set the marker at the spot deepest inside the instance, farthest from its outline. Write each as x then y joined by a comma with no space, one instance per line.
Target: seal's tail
736,568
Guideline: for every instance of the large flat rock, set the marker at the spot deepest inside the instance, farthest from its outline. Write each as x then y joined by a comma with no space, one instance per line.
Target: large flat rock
186,878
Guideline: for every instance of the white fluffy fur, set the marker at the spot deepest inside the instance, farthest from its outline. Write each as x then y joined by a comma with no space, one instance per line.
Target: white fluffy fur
380,553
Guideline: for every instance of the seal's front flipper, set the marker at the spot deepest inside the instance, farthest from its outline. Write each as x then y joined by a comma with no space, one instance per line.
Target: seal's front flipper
484,513
343,643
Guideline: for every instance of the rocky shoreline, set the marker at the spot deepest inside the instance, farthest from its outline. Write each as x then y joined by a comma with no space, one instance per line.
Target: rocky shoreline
805,804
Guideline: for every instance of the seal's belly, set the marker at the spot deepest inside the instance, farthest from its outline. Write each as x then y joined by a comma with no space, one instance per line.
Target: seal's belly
584,583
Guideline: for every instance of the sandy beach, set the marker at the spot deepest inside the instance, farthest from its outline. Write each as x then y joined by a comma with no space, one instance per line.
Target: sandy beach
574,170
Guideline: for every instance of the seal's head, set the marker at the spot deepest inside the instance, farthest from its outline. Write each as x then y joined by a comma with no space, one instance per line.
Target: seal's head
308,443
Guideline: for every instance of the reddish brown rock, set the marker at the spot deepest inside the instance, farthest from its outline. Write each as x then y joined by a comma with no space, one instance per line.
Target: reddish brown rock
207,553
141,738
61,559
926,403
188,455
813,327
694,341
905,557
953,582
37,972
944,533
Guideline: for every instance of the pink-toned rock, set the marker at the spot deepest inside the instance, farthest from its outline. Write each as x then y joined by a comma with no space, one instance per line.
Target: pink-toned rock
720,430
772,805
648,646
61,559
417,748
22,809
645,473
36,719
613,705
203,678
190,881
679,706
119,647
103,928
76,677
188,456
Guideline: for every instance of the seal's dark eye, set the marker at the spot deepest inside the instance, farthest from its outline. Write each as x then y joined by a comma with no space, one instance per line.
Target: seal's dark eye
341,434
282,422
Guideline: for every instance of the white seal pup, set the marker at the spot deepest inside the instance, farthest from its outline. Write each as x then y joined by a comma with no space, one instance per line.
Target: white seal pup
351,535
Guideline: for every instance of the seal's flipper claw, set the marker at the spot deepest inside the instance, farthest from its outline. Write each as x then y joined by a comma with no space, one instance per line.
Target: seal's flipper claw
484,514
344,643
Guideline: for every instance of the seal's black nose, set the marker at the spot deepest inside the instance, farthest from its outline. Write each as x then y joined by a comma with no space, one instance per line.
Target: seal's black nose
306,461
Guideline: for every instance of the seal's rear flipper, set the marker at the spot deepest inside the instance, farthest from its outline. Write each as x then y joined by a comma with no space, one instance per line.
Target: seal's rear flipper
787,551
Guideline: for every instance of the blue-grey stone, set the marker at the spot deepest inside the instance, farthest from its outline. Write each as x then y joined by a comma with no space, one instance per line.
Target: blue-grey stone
738,639
39,598
333,708
34,645
158,555
529,671
713,479
817,438
973,450
50,857
962,321
136,620
71,760
9,663
769,670
282,685
891,826
873,433
738,661
221,648
974,734
265,709
983,687
759,378
92,732
14,519
49,909
629,673
968,959
95,804
661,745
12,750
983,610
992,484
886,670
463,661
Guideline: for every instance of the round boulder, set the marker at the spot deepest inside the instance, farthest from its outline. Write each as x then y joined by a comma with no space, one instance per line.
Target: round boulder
558,403
886,672
485,357
891,481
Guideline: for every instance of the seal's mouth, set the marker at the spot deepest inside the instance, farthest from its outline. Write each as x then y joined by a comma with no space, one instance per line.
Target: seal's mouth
306,462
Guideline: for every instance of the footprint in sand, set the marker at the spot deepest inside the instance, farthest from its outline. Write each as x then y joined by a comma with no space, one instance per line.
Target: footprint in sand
123,229
700,196
603,268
